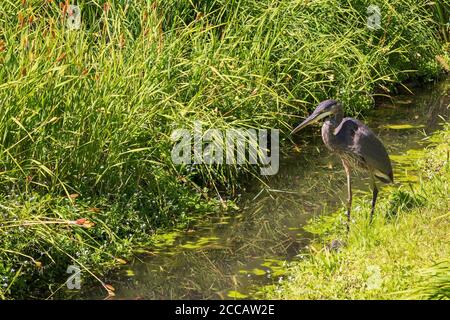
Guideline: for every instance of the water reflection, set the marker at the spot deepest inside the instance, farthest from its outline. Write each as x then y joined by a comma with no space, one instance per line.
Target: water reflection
225,257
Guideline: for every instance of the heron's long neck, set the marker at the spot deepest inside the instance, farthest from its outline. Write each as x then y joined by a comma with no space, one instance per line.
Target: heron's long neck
328,127
336,119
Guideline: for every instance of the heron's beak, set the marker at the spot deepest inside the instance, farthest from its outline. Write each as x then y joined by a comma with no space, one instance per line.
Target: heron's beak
313,118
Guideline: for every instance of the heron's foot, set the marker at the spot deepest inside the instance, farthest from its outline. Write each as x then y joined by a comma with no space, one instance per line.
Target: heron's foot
335,245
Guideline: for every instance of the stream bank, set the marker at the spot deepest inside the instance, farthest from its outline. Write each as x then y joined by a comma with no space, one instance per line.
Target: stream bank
247,255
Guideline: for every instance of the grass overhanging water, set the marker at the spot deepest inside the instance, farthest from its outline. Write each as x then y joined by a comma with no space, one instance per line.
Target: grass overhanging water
86,115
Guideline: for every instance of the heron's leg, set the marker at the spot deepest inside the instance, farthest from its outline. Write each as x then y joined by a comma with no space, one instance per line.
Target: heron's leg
349,194
374,197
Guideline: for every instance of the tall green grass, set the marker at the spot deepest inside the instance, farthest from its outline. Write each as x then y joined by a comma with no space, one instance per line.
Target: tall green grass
434,282
442,18
90,112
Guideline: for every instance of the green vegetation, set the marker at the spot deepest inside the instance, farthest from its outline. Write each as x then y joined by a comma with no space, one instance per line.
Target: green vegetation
404,254
442,18
86,115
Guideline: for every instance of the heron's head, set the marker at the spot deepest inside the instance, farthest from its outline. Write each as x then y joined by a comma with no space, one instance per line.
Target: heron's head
324,109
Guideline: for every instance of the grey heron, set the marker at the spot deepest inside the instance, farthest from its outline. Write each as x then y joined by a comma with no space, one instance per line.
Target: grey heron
356,145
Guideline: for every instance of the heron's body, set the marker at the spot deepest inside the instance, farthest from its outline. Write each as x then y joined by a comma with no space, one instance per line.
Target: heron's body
356,145
353,141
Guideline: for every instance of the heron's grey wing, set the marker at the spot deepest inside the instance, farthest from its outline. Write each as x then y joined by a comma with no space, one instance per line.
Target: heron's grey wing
359,139
345,133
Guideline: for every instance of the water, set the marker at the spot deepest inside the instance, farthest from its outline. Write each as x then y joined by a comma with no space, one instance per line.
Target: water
229,257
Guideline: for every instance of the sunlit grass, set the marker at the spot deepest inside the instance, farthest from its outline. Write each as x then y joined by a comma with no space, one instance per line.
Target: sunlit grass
404,254
86,115
442,18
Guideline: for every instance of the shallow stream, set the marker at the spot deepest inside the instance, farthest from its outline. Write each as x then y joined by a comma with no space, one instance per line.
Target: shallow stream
228,257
